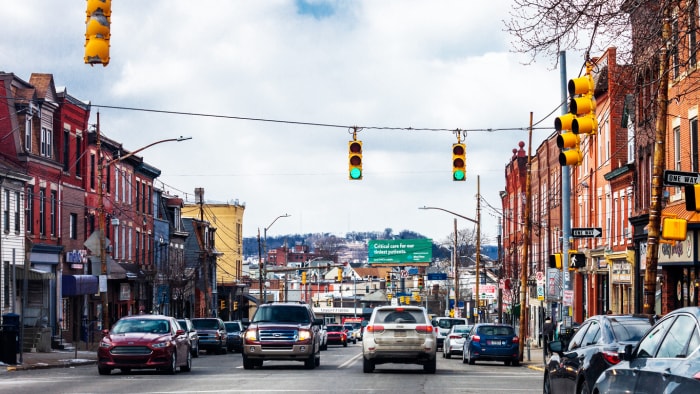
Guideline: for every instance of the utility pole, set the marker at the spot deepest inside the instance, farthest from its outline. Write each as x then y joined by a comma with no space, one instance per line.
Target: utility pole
526,238
101,225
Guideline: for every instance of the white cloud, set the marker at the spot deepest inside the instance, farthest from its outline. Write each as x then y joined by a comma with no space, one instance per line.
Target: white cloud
420,64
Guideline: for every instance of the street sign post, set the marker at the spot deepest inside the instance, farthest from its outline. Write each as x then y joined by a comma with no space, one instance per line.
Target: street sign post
587,232
680,178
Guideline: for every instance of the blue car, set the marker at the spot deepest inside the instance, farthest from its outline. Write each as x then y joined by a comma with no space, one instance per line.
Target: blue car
491,342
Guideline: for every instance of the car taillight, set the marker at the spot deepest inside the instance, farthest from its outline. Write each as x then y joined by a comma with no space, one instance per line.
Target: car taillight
516,340
424,329
611,357
455,336
374,328
696,376
476,338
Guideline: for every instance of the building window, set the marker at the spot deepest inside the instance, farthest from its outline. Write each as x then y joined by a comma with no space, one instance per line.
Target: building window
46,138
78,149
66,150
6,212
150,200
116,183
675,60
42,211
92,171
138,196
73,226
6,284
54,212
138,246
692,37
30,210
28,133
677,148
17,212
694,144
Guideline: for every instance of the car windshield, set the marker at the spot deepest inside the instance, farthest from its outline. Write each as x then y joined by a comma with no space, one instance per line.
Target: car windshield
461,329
205,324
182,324
400,316
334,328
232,327
629,330
292,314
141,326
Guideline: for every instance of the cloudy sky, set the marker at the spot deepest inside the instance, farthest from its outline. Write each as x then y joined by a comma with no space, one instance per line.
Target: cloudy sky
283,81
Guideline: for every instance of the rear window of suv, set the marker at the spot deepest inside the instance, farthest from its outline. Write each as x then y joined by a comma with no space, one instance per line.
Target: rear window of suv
400,316
496,331
448,323
206,324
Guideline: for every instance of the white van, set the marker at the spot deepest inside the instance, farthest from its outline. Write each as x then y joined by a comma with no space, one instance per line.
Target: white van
443,325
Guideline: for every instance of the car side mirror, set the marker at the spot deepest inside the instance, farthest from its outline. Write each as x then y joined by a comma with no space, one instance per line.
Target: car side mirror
364,323
625,353
245,321
179,332
556,346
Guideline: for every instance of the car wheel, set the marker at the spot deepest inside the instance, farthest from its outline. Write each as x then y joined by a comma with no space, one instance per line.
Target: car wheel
173,364
584,389
507,363
195,350
367,365
464,358
516,362
247,363
471,360
447,353
324,347
430,366
188,365
310,363
317,361
104,371
345,344
125,370
354,342
547,389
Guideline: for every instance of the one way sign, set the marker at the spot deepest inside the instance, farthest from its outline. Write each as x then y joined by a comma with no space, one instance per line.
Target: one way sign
587,232
577,260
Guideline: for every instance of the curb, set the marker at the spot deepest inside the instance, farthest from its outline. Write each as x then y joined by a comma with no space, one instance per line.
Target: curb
66,364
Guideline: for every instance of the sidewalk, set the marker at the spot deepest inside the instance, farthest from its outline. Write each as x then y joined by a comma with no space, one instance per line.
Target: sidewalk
536,361
55,359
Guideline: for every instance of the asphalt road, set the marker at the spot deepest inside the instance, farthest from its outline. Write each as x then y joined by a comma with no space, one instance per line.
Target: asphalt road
340,372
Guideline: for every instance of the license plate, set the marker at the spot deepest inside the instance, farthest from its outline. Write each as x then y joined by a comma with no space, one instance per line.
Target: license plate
494,342
400,333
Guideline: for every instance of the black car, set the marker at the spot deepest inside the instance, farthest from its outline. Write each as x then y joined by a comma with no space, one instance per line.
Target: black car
666,359
234,338
592,350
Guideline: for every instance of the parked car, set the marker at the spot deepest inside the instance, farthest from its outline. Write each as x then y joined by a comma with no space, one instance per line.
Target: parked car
144,342
593,349
234,335
443,326
454,341
337,335
666,359
399,334
491,342
191,332
353,334
212,334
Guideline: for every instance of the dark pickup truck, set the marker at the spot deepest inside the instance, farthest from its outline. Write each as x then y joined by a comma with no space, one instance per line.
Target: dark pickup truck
283,331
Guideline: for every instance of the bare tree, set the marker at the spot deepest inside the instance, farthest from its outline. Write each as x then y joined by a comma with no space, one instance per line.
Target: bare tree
649,35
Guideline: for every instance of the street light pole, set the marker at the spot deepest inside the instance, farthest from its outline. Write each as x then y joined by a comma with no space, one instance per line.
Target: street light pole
264,250
101,209
476,221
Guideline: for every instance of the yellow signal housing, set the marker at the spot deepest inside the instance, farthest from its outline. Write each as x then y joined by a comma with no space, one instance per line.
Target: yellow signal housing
564,122
569,143
674,229
459,162
303,278
355,160
584,105
97,31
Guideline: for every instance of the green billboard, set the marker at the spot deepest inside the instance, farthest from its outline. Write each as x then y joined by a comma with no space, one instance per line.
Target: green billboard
400,251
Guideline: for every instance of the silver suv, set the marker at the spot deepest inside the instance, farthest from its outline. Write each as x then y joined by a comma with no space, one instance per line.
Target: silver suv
399,334
283,331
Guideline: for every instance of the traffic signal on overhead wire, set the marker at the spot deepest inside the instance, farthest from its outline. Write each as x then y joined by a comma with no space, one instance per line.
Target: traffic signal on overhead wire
355,159
459,162
303,278
339,278
97,32
388,279
420,282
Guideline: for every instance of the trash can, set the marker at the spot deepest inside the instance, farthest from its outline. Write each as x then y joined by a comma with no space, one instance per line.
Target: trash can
9,338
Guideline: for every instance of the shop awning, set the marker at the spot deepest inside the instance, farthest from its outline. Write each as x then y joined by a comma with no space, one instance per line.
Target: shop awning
34,274
74,285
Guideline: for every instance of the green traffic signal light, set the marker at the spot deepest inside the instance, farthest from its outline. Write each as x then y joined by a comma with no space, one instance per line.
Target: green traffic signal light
355,159
458,162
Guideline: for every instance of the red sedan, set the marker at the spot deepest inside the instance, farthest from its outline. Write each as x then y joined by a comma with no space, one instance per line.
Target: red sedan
144,342
337,335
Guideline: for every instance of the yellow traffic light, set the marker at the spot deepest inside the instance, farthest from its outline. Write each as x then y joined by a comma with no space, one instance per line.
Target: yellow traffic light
355,159
459,162
555,260
329,302
692,198
340,276
570,154
420,282
222,304
97,31
582,103
388,278
235,305
674,229
303,278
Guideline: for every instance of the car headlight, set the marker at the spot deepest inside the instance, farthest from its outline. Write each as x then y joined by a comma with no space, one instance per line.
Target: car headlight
105,343
304,335
251,335
159,345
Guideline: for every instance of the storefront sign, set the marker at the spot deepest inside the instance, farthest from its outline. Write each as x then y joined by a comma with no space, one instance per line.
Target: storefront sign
621,271
677,252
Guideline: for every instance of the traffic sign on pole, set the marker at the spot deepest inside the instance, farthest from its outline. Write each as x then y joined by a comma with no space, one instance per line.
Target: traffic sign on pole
587,232
680,178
